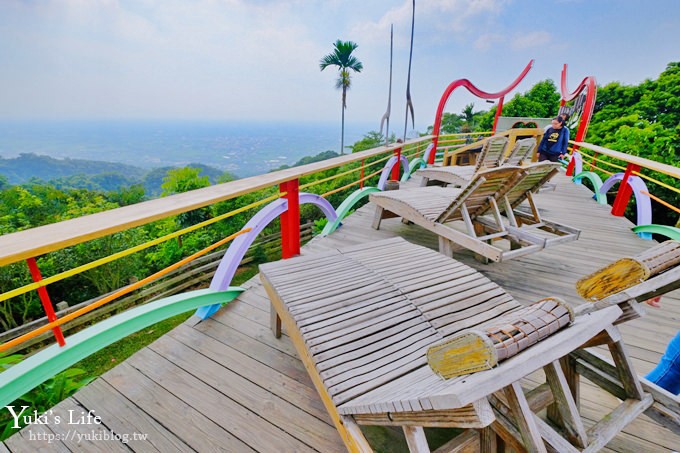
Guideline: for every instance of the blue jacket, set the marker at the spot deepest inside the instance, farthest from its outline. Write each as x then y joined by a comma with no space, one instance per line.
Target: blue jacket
554,141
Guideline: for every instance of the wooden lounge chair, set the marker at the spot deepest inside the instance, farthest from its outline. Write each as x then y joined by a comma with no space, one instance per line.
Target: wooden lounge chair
629,281
363,318
522,151
460,176
491,156
433,208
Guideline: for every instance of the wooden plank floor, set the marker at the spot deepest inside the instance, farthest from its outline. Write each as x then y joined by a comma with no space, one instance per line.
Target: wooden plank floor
227,385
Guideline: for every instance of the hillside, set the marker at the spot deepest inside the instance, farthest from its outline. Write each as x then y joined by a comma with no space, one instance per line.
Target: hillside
89,174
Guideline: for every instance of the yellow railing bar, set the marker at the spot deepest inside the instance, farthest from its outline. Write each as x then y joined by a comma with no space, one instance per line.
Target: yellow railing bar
121,292
118,255
653,165
648,178
319,181
351,184
603,161
314,183
659,200
662,184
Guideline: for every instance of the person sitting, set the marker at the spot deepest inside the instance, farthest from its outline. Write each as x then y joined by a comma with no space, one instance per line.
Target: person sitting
553,146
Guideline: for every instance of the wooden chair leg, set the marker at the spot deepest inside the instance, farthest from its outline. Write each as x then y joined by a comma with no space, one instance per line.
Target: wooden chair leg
569,417
377,218
415,438
524,418
488,440
445,247
274,322
628,376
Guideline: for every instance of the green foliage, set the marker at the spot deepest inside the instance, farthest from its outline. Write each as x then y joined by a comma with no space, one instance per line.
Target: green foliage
43,397
319,225
127,196
541,101
182,180
370,140
20,169
4,182
643,120
468,120
8,361
310,160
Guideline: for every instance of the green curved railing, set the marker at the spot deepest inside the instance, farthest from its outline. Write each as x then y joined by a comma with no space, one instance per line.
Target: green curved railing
419,162
664,230
40,367
345,207
596,181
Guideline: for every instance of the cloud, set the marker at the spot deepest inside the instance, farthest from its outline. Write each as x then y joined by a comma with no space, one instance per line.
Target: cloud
486,41
436,20
534,39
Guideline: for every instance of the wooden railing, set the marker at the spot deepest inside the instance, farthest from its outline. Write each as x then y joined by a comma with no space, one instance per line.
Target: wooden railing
29,244
634,166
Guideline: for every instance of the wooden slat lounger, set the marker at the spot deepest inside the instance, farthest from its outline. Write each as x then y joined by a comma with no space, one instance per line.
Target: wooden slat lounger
363,318
434,207
492,156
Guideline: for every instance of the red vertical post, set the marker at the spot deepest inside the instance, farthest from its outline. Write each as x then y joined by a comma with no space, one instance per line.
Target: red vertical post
45,300
290,220
499,110
625,191
397,166
571,165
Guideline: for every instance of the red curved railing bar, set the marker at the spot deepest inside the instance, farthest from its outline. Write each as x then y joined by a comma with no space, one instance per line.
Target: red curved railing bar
590,84
477,92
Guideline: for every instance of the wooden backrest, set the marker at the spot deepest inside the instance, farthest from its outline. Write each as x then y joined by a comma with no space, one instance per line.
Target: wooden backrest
535,175
485,185
522,150
492,153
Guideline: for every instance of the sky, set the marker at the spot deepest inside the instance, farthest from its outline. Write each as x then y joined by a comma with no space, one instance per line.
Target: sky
259,59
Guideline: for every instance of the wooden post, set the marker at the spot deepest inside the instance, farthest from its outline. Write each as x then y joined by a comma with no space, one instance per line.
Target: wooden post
625,191
290,220
45,300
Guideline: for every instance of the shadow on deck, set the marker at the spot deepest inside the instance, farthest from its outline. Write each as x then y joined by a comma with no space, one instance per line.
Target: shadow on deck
227,384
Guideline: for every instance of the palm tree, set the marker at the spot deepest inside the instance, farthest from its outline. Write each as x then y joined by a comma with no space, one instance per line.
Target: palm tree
342,58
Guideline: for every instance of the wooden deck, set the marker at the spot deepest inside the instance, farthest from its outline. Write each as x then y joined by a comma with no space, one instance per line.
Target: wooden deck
227,384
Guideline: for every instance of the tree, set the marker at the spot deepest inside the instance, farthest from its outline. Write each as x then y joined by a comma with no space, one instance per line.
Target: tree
342,58
180,180
469,118
372,139
4,182
541,101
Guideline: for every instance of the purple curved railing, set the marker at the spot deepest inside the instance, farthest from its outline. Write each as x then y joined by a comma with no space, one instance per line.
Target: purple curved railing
238,248
642,201
391,162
